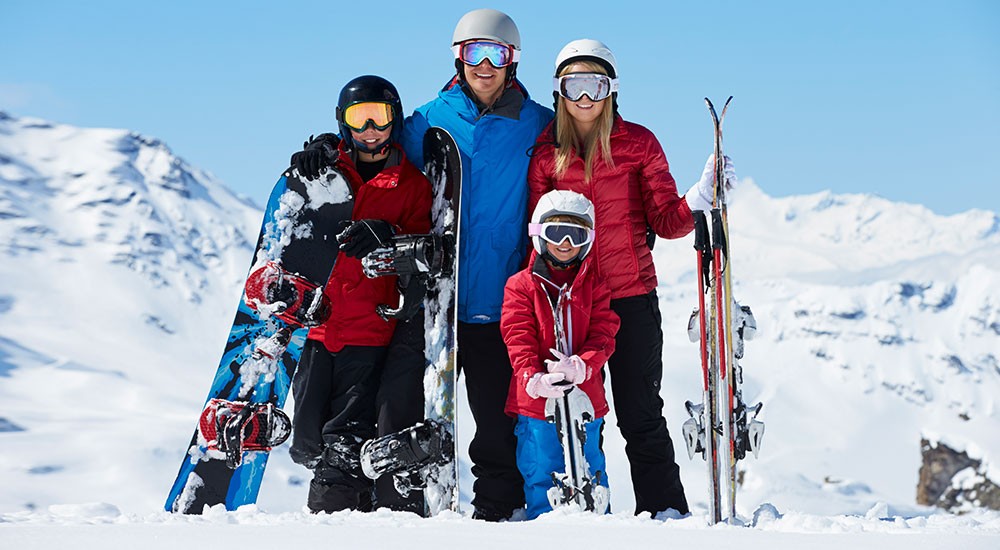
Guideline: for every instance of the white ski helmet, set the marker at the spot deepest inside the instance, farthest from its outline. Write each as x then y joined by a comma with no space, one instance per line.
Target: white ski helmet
587,49
488,24
562,203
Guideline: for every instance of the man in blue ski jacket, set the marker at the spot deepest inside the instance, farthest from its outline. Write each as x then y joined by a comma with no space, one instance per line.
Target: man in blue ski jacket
488,112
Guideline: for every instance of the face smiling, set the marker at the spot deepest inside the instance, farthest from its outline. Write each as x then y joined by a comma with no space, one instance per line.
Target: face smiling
486,81
563,252
586,111
372,137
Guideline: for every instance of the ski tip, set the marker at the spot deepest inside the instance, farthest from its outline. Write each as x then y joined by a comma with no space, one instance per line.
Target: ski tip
726,106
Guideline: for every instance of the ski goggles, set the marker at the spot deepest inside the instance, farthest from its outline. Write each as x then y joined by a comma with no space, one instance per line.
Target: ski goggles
595,85
358,116
557,232
475,52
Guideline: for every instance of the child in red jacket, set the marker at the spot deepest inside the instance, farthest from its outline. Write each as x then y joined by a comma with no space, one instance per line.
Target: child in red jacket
560,285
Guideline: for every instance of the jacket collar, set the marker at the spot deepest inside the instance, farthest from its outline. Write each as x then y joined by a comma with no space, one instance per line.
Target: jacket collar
540,269
458,96
388,178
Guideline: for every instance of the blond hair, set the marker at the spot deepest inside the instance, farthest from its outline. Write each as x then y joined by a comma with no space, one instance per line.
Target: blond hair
570,143
566,218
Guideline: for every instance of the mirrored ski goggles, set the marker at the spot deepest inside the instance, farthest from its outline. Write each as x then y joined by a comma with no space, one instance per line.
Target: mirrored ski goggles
474,52
557,232
358,116
595,85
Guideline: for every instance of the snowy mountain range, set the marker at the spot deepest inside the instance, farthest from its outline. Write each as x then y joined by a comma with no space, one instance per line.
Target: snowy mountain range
878,327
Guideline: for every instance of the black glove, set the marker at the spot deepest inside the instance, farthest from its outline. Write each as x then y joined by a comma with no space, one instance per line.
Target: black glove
317,153
363,236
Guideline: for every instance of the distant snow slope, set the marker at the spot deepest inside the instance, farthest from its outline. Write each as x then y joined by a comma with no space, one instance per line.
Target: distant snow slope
121,269
878,324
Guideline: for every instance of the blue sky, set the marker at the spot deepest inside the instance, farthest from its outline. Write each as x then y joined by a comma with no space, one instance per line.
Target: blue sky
898,98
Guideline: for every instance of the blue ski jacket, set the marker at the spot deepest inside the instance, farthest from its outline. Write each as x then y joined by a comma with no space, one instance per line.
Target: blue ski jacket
493,223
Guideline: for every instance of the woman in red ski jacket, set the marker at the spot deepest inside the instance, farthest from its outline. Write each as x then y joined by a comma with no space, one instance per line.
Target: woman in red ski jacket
621,168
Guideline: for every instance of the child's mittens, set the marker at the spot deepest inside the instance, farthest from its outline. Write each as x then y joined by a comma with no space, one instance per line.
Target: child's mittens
572,367
545,385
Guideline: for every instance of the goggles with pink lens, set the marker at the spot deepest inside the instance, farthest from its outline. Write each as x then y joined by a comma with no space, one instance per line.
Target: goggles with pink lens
475,52
557,232
574,86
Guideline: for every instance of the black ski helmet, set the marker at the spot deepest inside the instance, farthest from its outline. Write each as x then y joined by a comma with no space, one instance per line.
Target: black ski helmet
370,88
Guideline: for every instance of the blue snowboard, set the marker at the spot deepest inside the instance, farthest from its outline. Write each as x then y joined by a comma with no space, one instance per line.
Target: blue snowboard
297,239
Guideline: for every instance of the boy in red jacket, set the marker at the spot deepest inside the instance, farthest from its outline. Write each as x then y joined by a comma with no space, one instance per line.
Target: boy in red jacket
361,376
560,283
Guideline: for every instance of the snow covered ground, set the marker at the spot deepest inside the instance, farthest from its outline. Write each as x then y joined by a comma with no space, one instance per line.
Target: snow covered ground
121,265
102,526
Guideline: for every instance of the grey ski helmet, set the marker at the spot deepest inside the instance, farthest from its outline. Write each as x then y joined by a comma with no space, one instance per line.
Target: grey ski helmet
487,24
562,203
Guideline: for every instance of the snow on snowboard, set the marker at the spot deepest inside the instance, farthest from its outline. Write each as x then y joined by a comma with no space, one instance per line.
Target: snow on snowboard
242,419
424,456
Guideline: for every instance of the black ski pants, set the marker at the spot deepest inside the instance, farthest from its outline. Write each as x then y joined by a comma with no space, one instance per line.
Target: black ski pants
482,356
636,369
334,414
399,403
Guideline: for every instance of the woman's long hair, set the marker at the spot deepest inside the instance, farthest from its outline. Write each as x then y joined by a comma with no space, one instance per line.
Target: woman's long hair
570,143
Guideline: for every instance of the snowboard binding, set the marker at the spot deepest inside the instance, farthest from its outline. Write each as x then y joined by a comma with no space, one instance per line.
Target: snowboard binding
292,298
409,455
412,255
233,427
415,259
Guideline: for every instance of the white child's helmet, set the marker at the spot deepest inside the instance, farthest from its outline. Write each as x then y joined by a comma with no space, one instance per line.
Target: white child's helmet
561,203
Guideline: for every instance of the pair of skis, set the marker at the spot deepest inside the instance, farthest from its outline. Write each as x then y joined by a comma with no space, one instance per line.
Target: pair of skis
722,428
571,413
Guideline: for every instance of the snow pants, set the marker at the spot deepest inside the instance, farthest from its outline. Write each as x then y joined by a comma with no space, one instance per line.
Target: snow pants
399,403
636,370
539,454
334,414
482,356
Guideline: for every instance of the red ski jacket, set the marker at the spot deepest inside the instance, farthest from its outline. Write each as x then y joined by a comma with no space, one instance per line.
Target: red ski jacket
527,323
400,195
637,192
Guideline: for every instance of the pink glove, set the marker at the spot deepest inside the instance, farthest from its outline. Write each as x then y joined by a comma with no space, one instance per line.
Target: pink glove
544,385
572,367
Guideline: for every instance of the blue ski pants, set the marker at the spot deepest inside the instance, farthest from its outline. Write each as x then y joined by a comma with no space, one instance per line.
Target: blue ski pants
539,454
